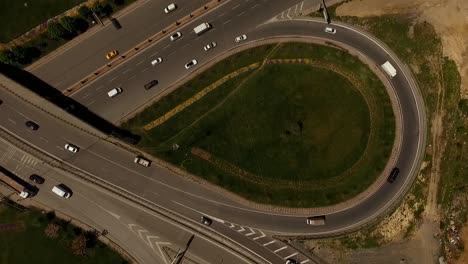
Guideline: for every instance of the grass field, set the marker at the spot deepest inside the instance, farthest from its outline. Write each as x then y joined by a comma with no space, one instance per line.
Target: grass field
18,19
288,134
30,245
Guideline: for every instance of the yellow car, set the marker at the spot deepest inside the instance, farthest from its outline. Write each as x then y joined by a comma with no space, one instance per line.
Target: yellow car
112,54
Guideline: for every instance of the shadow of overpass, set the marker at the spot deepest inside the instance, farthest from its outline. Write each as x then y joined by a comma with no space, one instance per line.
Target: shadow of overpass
71,106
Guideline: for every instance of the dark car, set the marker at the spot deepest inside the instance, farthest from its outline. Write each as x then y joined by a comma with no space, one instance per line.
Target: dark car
31,125
206,221
291,261
151,84
36,178
116,23
393,175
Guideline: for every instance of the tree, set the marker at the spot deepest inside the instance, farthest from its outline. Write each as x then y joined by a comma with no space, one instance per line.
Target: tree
68,23
7,56
52,230
19,53
81,25
78,246
56,30
84,12
119,2
97,7
107,10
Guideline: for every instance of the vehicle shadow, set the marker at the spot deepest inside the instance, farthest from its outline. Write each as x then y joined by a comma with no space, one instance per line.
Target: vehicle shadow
73,107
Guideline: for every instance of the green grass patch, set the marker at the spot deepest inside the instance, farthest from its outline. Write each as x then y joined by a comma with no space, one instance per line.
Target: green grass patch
18,19
293,128
42,249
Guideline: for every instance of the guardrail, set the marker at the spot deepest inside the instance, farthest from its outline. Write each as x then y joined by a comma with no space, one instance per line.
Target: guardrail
124,194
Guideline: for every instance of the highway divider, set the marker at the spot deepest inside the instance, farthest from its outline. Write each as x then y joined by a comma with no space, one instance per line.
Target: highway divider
143,45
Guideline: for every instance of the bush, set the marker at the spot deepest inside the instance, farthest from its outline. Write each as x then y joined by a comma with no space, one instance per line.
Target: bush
7,56
56,31
85,13
97,7
463,106
78,246
119,2
52,230
68,23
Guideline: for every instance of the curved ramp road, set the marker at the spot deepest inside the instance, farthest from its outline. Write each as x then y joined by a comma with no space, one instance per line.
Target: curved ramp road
115,165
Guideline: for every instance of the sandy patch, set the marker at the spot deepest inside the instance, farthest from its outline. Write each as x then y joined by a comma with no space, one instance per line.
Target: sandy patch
449,18
464,256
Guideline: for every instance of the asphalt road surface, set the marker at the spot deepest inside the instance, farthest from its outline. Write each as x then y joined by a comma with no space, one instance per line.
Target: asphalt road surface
191,200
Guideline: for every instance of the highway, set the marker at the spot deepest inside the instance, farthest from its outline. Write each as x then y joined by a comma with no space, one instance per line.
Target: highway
158,184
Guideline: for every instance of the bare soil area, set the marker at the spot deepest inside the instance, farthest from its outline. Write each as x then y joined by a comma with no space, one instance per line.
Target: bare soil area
449,18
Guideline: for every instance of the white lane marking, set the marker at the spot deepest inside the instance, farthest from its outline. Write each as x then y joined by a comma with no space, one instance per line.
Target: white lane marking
222,14
251,232
242,229
90,103
214,218
113,79
44,139
166,47
240,14
154,54
279,249
235,7
302,5
269,243
145,69
262,235
131,77
11,120
254,6
99,88
305,261
61,148
88,94
128,70
139,62
290,256
289,10
227,21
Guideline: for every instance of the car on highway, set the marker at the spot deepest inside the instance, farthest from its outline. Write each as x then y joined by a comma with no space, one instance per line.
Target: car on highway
114,92
116,23
112,54
72,148
31,125
330,30
156,61
190,64
62,191
316,220
393,175
151,84
142,161
36,178
209,46
206,221
170,8
292,261
176,36
241,38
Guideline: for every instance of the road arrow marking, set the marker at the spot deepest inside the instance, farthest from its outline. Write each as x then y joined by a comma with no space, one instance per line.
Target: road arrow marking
241,229
263,235
251,232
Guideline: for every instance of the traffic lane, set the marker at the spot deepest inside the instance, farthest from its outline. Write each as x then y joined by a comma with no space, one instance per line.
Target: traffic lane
223,33
52,134
89,54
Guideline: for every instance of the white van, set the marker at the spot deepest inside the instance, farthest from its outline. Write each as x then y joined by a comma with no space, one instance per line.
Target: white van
114,92
61,192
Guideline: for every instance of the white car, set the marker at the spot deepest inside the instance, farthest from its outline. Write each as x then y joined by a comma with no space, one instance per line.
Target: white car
71,148
190,64
142,161
209,46
156,61
176,36
330,30
170,8
241,38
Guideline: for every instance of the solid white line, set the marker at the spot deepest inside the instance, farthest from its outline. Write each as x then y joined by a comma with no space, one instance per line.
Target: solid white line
11,120
44,139
290,256
235,7
214,218
240,14
305,261
279,249
227,21
269,243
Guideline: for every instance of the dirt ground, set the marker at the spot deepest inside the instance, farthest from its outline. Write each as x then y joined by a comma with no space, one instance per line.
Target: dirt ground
449,17
450,20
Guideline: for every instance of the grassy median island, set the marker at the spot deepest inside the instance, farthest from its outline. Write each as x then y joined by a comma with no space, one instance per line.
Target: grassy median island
33,237
297,133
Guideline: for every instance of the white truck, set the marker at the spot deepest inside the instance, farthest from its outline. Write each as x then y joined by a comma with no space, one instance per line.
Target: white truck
389,69
20,189
202,28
